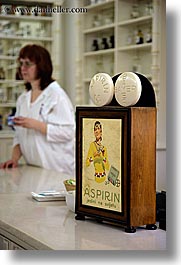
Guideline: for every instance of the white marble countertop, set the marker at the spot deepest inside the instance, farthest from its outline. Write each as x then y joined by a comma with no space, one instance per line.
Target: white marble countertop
50,225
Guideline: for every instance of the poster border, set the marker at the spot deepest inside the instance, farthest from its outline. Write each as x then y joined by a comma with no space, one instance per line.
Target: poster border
107,112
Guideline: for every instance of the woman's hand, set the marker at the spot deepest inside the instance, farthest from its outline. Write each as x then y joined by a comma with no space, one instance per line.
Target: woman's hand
9,164
30,123
25,122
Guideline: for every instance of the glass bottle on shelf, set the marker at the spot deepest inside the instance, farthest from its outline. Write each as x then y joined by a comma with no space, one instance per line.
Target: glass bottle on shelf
136,64
104,44
28,30
99,65
17,48
108,17
148,9
95,45
139,37
96,21
111,66
42,31
37,32
149,36
93,2
135,11
129,39
111,41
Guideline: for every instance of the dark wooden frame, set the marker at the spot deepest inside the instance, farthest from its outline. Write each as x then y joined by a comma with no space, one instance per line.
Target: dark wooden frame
138,166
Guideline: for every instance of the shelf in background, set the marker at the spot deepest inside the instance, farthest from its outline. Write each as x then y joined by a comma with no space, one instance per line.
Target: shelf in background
99,52
100,28
135,47
7,57
135,21
10,81
25,18
23,38
8,104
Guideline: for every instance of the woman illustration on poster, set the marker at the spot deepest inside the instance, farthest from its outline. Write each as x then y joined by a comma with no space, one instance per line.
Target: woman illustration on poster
97,155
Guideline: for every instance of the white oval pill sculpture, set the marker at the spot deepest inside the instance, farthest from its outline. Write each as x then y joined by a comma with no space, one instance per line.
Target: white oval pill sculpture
101,89
128,89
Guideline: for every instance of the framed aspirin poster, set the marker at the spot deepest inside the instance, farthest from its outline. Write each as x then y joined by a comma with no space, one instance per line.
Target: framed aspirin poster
101,167
101,163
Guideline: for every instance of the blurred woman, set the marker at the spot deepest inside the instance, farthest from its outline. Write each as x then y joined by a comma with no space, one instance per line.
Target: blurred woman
44,119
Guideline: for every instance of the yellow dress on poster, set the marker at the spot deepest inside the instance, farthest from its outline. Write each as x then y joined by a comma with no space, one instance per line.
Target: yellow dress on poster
101,183
97,155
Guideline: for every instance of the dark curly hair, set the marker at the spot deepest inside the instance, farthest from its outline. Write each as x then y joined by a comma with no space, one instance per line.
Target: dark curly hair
41,57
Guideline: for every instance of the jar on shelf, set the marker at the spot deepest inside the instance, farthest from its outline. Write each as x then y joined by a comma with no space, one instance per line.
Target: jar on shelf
40,31
104,44
148,9
135,11
99,64
96,21
111,42
93,2
129,39
20,32
28,31
17,48
7,29
139,39
108,18
95,45
136,64
149,36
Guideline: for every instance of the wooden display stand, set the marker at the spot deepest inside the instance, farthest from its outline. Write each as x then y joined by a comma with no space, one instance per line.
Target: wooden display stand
142,168
116,175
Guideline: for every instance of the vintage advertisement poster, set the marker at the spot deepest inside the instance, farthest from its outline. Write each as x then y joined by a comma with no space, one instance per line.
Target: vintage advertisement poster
101,163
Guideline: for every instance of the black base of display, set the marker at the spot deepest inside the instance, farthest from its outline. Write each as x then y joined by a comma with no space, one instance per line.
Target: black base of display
128,229
151,227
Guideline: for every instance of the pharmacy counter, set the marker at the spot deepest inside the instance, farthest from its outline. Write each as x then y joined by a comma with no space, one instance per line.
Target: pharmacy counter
28,224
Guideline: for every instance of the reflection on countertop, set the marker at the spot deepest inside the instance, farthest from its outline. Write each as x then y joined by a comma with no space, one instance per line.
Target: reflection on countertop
28,178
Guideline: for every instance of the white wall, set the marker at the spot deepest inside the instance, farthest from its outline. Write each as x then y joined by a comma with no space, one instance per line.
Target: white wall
70,50
161,153
161,170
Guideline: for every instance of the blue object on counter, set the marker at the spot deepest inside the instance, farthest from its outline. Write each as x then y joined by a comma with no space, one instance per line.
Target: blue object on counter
10,118
10,121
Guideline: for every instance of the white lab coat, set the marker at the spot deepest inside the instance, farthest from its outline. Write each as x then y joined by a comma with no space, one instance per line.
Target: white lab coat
55,150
